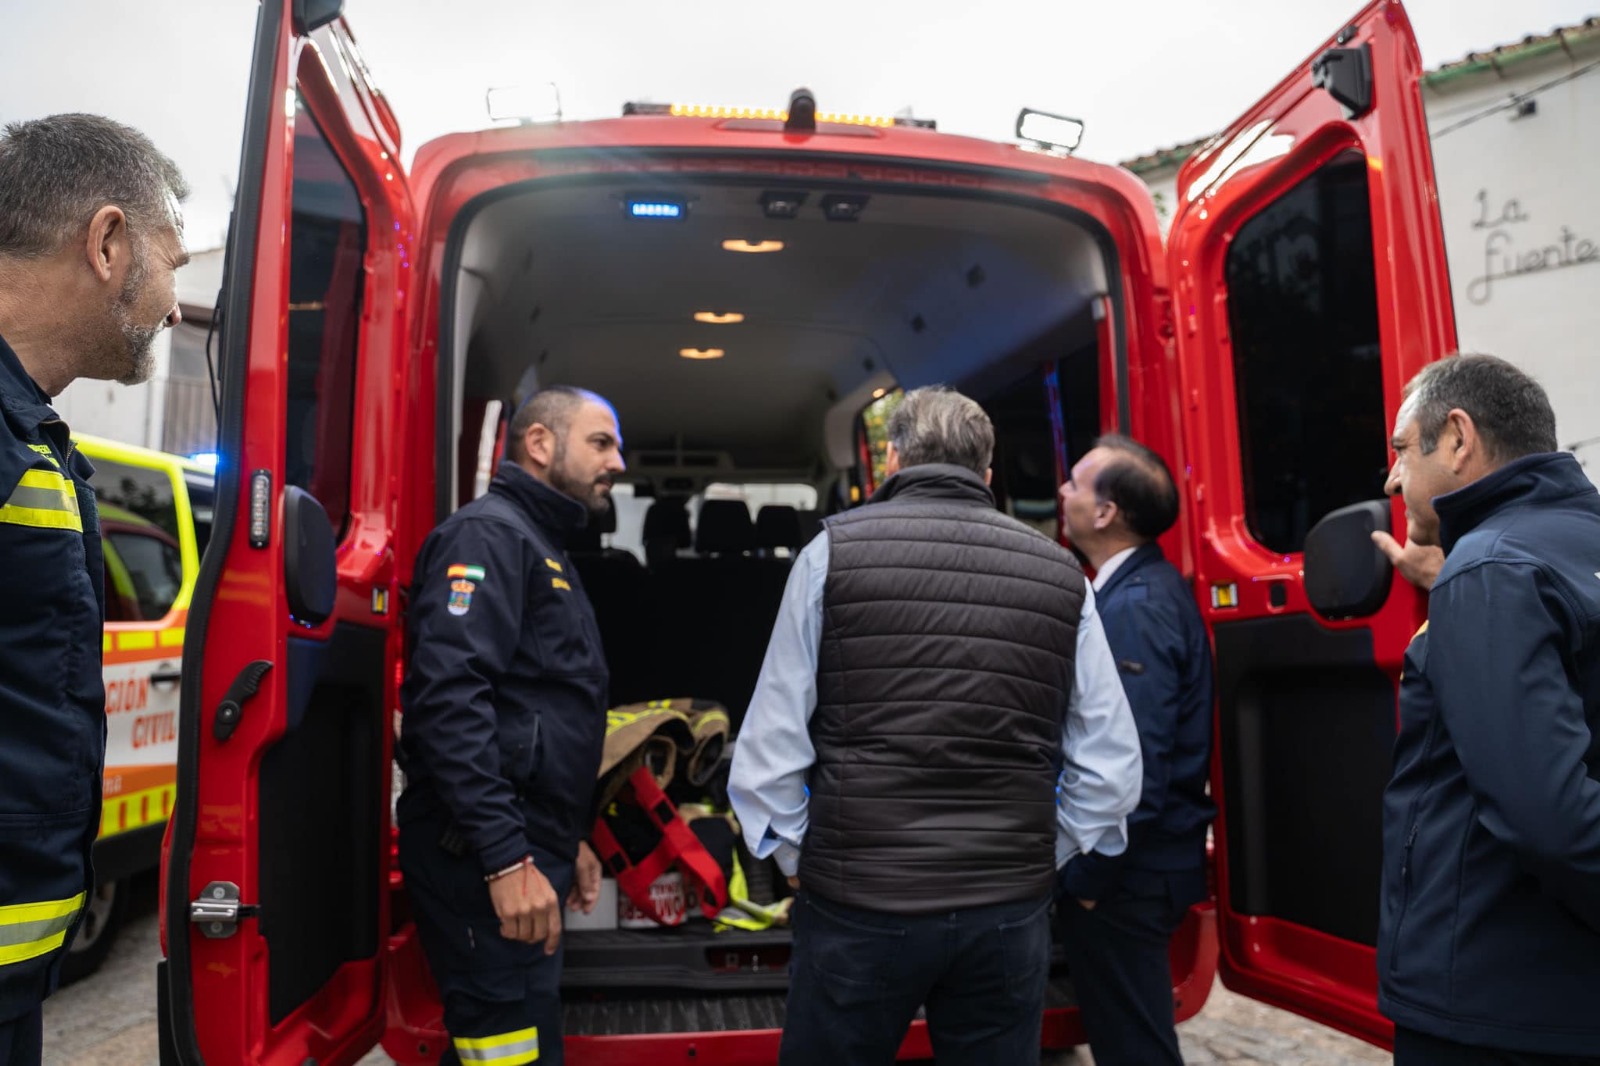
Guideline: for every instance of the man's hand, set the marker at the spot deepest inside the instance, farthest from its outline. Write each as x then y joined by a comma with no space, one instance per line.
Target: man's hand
586,882
1087,904
1418,563
794,882
527,907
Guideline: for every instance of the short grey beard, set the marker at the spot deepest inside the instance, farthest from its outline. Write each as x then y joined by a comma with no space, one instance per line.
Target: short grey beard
137,340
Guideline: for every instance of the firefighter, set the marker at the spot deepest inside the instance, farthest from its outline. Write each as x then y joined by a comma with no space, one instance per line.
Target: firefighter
504,719
90,237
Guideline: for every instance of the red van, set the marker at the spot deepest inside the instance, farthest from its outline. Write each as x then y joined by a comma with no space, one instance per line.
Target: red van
378,324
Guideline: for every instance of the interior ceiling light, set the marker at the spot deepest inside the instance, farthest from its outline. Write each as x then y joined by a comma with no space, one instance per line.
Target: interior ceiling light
782,205
701,353
753,247
878,394
718,318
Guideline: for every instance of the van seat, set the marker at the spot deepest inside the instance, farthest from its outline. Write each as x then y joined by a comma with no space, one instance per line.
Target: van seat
618,589
778,526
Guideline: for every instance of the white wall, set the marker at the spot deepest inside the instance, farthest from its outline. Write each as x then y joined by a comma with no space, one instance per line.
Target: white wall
1522,230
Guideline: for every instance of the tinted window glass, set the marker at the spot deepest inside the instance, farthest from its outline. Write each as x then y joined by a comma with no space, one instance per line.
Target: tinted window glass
1303,311
326,245
153,567
122,601
141,491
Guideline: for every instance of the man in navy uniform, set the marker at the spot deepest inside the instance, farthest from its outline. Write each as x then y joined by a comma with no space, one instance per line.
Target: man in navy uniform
90,238
504,717
1489,927
1119,499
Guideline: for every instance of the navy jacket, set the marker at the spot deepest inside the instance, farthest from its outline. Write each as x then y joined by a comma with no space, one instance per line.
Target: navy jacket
504,700
52,695
1164,660
1490,929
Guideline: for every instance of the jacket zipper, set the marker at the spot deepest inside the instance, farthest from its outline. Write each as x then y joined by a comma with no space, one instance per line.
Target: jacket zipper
1405,897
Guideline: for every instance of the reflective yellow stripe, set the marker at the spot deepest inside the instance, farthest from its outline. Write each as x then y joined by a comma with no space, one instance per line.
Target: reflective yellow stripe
135,810
44,499
105,642
503,1049
28,930
137,640
172,638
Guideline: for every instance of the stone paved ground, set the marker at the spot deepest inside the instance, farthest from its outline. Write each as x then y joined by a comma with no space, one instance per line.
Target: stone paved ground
110,1019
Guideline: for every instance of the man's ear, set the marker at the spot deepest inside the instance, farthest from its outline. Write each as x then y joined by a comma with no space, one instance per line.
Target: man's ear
1105,513
891,460
1461,436
988,475
540,444
106,246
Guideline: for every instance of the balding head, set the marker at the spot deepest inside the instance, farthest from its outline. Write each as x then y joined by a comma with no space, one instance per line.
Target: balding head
569,439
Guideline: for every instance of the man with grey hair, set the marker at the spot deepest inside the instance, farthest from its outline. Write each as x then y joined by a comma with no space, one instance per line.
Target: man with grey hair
90,237
1489,935
936,671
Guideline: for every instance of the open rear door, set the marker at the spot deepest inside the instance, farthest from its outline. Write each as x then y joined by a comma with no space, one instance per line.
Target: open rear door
1310,278
275,903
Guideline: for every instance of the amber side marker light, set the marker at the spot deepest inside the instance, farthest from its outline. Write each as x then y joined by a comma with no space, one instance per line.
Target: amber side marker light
701,353
719,318
753,247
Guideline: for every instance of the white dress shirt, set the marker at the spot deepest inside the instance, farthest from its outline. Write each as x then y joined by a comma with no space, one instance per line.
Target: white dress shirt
1102,770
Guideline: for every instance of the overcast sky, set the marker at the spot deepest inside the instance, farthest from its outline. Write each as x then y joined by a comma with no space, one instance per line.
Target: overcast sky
1143,74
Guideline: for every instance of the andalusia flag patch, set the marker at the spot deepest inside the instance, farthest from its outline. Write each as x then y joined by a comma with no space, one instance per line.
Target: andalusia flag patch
463,583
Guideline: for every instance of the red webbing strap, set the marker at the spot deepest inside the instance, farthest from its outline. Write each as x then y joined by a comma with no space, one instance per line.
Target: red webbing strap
678,844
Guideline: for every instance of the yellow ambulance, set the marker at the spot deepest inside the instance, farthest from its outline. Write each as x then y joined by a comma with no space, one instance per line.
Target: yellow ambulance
155,518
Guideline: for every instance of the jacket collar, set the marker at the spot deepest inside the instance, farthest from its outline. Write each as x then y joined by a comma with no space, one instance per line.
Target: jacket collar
553,511
1545,478
1142,556
935,481
25,403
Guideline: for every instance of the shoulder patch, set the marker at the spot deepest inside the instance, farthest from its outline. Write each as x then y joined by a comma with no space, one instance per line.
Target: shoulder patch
471,573
461,591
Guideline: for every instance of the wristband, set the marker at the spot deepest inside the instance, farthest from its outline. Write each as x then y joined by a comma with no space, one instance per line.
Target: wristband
526,860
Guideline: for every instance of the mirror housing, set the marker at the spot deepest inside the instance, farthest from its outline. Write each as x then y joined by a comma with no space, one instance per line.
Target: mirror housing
1346,575
310,570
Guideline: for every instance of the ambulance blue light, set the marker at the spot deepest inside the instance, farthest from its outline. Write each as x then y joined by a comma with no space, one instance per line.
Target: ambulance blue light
654,209
209,460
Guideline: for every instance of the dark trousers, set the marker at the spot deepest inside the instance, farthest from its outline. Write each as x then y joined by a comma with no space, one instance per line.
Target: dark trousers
502,998
857,977
22,1039
1117,954
1412,1048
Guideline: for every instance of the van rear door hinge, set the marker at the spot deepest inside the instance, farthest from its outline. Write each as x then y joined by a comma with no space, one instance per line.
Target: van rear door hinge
218,911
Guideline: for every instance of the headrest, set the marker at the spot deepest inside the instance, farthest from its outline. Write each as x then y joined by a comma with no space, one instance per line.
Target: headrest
778,526
725,526
586,539
666,522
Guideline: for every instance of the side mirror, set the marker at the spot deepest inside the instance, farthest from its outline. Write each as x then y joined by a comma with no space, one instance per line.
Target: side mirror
310,572
1346,575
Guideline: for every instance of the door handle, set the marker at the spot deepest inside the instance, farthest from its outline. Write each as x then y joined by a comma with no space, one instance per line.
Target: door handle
166,677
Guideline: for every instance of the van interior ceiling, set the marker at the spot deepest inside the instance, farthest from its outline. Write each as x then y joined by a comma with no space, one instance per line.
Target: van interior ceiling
559,282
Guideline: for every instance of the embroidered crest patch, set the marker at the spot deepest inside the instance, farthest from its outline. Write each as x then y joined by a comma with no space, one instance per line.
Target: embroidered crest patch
471,573
461,592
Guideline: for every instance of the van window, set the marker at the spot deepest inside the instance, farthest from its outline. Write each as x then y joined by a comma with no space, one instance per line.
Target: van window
875,424
1303,312
153,567
145,492
327,240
